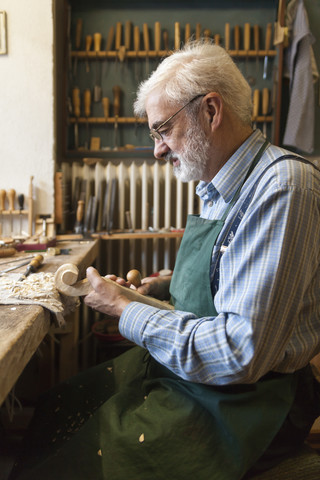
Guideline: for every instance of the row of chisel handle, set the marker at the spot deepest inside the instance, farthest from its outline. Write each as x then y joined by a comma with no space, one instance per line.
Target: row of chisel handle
261,102
10,195
121,43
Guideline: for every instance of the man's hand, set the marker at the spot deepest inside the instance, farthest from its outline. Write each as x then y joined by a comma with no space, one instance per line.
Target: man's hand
157,287
106,298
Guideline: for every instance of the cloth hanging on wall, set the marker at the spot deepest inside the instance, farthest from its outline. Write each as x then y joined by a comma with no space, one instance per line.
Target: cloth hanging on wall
302,70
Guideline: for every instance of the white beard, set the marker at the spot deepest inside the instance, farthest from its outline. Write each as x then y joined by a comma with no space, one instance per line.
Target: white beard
194,156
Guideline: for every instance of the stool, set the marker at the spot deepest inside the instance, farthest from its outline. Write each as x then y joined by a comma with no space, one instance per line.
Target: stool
304,465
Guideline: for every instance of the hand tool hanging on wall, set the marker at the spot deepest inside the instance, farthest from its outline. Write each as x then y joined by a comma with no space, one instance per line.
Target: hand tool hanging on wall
32,266
207,35
11,198
118,42
77,44
236,39
112,204
198,31
177,39
256,41
146,45
255,110
246,44
79,217
109,45
187,33
87,110
217,39
267,48
116,112
76,112
157,37
106,109
88,48
127,39
136,46
265,109
2,207
166,40
227,36
97,91
21,205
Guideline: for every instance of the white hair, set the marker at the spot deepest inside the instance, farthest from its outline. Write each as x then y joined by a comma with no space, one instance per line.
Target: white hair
198,68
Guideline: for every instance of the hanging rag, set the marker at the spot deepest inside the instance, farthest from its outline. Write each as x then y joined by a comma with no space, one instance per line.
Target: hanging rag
301,66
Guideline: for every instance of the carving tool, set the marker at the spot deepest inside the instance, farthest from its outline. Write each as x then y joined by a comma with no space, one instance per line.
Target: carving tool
77,44
118,41
79,217
227,36
255,110
18,259
166,40
87,110
217,39
2,205
22,264
265,109
237,39
198,31
256,38
136,46
146,45
88,48
32,266
246,43
97,91
109,44
76,112
177,35
21,204
11,198
206,34
157,37
106,109
267,48
127,39
116,111
187,33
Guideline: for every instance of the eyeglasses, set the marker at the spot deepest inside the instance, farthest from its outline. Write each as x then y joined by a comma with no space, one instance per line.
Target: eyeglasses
154,132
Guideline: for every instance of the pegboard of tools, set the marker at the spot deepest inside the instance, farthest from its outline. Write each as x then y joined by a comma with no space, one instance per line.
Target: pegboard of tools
109,56
13,212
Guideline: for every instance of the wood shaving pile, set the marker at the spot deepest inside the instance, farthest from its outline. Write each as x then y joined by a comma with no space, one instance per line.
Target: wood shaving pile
38,289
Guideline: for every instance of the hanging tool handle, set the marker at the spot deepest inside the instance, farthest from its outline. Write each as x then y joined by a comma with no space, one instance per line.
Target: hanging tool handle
217,39
76,101
247,37
157,37
166,40
118,35
2,199
187,32
127,35
256,37
110,39
78,33
97,37
227,36
21,201
87,102
206,34
88,42
136,39
11,197
146,37
265,101
268,37
106,106
177,35
237,38
256,100
198,31
80,211
116,100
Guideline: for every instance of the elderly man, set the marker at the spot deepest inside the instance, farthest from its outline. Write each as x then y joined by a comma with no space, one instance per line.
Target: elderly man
221,384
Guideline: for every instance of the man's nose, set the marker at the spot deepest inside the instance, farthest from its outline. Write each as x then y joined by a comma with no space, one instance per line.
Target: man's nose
160,148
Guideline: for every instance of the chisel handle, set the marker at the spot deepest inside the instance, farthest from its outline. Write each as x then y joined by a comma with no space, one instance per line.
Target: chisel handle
166,40
217,39
187,32
88,42
227,36
177,35
146,37
265,101
21,201
127,35
237,38
198,31
97,37
247,37
110,37
106,106
80,211
76,101
2,199
256,100
118,35
78,33
116,100
256,35
136,39
11,197
206,34
157,37
87,102
268,37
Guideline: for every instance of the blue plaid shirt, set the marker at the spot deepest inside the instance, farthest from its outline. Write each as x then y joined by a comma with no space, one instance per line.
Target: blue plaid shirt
268,300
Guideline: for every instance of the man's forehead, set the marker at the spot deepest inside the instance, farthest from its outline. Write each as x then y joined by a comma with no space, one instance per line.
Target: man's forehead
158,109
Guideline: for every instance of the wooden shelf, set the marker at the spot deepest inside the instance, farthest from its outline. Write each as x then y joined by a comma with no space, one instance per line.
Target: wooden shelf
137,235
102,55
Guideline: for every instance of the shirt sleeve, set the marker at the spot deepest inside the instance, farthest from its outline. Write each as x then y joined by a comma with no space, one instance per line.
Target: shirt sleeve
267,300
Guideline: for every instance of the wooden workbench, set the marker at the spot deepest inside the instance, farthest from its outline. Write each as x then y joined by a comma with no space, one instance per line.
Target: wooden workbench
23,327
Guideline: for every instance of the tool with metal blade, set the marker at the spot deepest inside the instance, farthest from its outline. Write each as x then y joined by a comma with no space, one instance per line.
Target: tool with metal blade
87,111
77,44
146,45
22,264
268,43
21,204
32,266
76,112
97,90
116,109
88,48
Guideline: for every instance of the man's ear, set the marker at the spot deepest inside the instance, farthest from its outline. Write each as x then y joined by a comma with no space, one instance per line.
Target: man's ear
213,109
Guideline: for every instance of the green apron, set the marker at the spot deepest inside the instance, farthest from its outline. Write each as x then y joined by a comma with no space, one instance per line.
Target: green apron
133,419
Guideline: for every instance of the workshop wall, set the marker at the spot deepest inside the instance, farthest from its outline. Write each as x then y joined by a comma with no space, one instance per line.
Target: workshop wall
27,101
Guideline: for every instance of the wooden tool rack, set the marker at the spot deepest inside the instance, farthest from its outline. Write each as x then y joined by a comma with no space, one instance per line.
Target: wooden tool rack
11,212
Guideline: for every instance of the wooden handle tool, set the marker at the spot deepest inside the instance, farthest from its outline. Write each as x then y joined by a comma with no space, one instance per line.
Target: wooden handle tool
187,32
166,40
110,38
177,35
217,39
106,107
76,111
134,277
227,36
127,35
77,43
146,42
267,48
32,266
136,46
207,35
237,38
11,197
66,281
118,35
256,42
157,37
88,48
87,111
198,31
255,110
2,199
265,108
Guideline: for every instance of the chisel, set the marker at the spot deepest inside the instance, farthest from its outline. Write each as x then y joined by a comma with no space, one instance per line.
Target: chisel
157,37
256,35
22,264
2,204
116,111
11,198
267,48
32,266
88,48
87,110
79,217
76,112
206,34
246,43
217,39
136,46
255,110
106,108
97,48
146,45
118,41
77,43
227,36
177,35
265,109
237,39
187,33
21,204
198,31
127,37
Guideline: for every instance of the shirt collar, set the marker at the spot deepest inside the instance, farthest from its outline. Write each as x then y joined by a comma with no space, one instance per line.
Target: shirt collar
227,180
